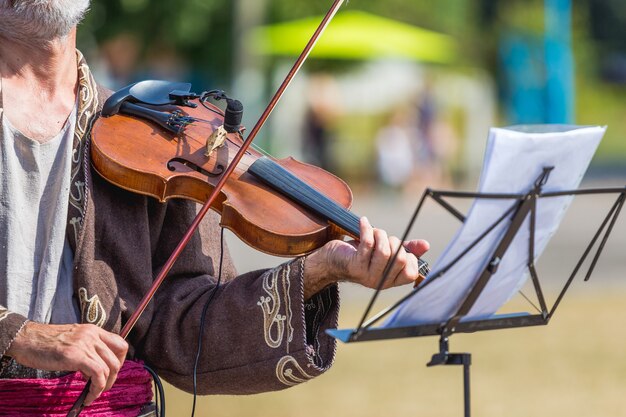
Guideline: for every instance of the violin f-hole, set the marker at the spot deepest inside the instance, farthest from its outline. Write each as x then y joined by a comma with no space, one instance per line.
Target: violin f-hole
174,162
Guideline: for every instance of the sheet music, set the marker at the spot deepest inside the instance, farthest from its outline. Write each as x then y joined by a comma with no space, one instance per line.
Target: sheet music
514,158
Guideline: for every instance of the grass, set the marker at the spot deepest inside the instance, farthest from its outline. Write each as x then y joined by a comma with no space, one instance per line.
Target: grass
575,366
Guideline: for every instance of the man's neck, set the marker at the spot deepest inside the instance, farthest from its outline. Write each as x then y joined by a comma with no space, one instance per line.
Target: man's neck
39,80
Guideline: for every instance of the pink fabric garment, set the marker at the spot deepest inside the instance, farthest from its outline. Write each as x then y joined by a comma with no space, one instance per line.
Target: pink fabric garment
55,397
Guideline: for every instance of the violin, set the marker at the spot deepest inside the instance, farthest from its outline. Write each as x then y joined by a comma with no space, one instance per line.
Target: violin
159,139
265,202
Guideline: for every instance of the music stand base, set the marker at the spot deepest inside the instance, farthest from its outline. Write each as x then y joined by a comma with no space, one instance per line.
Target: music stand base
444,357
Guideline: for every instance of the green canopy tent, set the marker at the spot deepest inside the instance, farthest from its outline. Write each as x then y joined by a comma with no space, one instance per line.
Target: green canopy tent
355,35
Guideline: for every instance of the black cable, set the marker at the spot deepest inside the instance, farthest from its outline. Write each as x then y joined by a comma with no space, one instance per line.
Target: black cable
219,112
160,393
217,95
202,322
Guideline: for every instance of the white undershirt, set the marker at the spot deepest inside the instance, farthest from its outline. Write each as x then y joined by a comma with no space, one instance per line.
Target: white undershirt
35,259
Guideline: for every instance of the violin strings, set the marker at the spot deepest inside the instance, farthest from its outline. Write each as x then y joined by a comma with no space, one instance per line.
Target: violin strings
195,119
254,146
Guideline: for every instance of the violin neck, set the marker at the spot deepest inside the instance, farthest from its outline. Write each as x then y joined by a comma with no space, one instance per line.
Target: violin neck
284,182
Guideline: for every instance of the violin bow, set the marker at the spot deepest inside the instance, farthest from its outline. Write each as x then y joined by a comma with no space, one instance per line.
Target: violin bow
79,404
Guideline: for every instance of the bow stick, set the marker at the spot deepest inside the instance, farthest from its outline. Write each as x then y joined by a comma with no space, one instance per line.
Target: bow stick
79,404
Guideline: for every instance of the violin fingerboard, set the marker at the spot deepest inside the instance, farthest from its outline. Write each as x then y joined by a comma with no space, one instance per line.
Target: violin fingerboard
281,180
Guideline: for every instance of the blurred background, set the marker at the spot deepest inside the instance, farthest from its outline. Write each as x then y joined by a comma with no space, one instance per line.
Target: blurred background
398,96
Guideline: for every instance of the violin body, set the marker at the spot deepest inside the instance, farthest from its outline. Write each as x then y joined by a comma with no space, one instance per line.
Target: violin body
142,157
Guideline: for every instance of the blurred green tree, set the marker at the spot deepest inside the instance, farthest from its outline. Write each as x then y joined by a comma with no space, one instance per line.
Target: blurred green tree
201,32
196,31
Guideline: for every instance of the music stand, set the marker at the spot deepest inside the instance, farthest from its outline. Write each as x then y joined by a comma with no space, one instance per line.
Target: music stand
524,205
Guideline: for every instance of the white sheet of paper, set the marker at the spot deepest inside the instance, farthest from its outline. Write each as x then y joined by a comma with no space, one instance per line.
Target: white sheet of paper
514,158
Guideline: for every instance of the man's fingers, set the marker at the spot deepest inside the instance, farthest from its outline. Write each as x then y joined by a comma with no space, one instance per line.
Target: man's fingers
417,247
397,272
112,362
374,251
103,354
410,272
116,344
381,254
96,371
103,365
366,241
112,350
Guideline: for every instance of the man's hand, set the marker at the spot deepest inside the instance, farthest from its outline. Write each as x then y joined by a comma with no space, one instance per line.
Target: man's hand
96,353
363,262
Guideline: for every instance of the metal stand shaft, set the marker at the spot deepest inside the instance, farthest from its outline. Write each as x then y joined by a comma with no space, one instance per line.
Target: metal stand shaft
444,357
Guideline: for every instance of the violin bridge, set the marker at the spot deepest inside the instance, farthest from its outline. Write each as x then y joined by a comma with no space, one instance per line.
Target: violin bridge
216,140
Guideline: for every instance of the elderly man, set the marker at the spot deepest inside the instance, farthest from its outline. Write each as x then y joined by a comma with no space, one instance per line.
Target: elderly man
77,254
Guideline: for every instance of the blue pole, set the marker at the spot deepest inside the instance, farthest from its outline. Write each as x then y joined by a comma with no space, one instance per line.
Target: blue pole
559,62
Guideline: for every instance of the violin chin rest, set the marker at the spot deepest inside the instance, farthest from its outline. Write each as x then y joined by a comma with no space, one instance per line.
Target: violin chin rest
151,92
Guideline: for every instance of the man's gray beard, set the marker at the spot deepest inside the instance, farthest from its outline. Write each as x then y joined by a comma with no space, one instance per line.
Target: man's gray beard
36,21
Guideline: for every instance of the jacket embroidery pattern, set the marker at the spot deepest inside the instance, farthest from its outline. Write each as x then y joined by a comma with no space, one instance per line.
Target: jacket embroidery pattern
4,313
91,310
276,285
289,372
87,106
